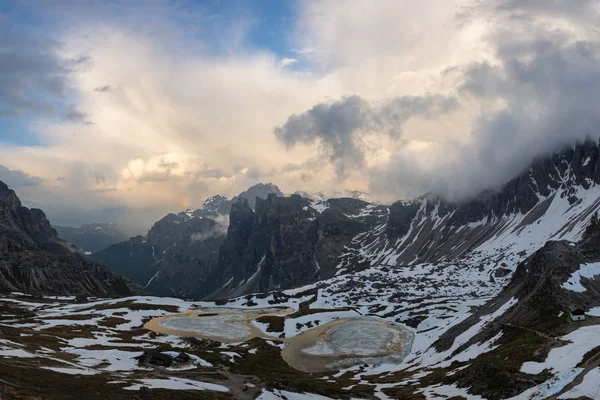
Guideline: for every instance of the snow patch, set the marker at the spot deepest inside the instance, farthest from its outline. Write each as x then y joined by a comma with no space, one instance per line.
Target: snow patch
177,384
588,271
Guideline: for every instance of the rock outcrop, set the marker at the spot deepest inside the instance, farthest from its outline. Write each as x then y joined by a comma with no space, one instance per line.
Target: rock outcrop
34,260
536,304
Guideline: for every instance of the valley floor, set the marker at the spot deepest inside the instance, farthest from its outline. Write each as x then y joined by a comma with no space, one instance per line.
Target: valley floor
57,348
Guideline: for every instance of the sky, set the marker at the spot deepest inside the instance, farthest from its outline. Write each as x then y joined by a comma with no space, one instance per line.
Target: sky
123,111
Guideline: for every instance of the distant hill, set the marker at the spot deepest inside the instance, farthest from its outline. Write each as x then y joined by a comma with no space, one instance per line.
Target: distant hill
94,237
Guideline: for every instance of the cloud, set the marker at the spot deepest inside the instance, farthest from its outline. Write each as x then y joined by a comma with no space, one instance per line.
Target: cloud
551,97
219,229
341,126
74,115
171,94
541,91
105,88
526,75
17,179
33,78
395,99
284,62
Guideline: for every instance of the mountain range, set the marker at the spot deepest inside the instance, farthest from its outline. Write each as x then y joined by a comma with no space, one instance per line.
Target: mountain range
262,241
94,236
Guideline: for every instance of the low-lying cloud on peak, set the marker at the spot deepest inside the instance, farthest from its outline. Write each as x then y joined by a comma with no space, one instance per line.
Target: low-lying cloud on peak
219,229
536,90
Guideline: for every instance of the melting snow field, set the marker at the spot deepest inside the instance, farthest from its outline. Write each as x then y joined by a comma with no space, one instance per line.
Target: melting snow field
177,384
568,356
328,338
284,394
589,387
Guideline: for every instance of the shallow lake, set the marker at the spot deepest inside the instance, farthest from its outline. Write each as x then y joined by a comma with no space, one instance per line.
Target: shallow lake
338,344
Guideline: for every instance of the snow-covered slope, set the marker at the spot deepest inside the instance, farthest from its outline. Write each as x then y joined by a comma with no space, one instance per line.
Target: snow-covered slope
552,200
292,241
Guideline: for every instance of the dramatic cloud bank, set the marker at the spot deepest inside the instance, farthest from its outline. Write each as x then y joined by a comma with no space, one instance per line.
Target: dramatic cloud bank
341,127
533,88
122,112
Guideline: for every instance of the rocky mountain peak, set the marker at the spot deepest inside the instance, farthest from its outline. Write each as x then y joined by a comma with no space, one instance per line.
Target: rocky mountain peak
8,198
260,190
240,212
215,203
30,225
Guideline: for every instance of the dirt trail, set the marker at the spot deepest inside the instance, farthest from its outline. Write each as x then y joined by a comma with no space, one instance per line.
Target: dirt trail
542,334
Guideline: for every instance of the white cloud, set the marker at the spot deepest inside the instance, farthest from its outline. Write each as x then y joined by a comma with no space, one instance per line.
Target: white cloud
284,62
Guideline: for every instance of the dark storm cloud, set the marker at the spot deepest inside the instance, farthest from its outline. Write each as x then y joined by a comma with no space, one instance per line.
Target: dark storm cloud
340,126
105,88
32,78
16,178
551,88
74,115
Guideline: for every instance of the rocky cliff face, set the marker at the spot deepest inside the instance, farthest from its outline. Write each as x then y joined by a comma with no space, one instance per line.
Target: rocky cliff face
34,260
289,242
